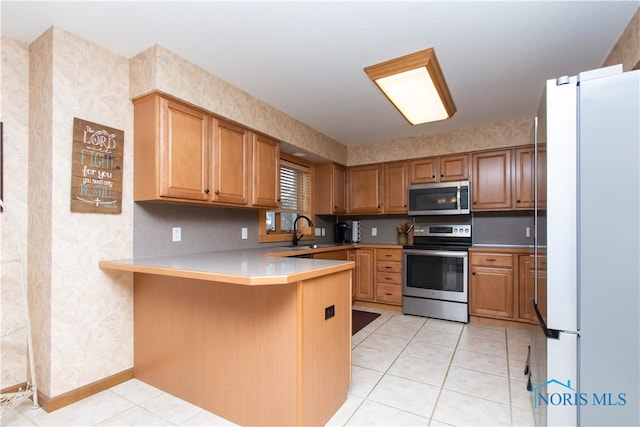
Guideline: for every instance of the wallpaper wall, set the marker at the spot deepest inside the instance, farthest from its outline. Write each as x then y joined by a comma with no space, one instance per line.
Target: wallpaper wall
82,315
14,113
491,135
627,49
159,69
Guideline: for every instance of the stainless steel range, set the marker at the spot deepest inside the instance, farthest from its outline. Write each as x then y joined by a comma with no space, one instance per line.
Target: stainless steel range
435,272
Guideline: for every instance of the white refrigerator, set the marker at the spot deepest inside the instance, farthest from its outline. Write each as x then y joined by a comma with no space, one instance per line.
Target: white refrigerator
585,357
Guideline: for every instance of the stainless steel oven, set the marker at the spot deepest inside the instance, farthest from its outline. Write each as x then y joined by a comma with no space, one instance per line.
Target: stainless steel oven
436,272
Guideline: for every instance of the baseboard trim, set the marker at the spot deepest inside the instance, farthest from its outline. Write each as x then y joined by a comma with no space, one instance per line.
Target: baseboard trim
377,305
500,322
51,404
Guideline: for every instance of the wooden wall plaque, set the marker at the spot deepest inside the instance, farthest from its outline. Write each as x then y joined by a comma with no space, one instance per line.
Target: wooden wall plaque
96,168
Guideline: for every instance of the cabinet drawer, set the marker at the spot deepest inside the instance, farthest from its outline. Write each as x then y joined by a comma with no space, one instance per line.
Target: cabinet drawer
389,254
492,260
389,266
395,278
389,293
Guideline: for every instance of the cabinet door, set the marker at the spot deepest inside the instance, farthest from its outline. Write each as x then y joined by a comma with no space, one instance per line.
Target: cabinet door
491,184
454,168
424,170
491,292
339,175
351,256
364,189
365,262
266,172
230,163
523,188
525,288
329,189
396,181
184,152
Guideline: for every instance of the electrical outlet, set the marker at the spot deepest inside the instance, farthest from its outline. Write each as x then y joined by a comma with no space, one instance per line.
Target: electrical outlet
322,231
245,233
318,232
177,234
527,232
374,231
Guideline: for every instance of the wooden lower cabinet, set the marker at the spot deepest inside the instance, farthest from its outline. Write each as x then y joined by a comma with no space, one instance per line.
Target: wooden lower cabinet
378,275
502,284
527,286
389,276
491,292
364,274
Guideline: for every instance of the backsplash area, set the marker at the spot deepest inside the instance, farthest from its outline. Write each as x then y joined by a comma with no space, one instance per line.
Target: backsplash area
503,229
203,229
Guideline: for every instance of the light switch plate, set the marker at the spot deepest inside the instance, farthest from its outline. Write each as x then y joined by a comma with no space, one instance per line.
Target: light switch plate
245,233
374,231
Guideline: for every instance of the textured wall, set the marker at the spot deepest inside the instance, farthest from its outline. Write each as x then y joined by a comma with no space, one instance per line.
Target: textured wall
82,315
14,113
491,135
159,69
627,49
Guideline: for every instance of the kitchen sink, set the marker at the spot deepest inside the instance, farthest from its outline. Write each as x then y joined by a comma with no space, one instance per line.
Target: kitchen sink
315,246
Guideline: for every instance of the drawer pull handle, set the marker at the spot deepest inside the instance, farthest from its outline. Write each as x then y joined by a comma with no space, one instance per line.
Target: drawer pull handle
388,268
387,255
388,293
388,278
491,259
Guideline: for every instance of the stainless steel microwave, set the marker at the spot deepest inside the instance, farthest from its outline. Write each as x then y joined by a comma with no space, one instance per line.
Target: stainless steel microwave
446,198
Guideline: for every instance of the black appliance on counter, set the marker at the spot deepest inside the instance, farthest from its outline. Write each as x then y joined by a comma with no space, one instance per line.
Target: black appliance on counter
435,272
342,232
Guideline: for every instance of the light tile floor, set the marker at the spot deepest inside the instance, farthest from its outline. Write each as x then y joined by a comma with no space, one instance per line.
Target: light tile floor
407,371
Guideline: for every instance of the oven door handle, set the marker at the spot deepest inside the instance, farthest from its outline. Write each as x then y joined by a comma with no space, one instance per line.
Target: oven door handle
433,252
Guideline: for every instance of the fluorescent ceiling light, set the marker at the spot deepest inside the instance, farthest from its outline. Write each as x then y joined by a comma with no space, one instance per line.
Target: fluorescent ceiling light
415,85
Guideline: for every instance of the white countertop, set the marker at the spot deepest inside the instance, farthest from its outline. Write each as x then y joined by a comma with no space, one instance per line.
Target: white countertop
265,266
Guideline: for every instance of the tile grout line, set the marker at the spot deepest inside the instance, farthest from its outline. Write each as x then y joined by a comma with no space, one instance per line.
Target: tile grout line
444,380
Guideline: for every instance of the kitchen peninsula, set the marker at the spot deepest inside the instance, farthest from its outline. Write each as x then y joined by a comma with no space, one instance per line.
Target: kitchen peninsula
254,336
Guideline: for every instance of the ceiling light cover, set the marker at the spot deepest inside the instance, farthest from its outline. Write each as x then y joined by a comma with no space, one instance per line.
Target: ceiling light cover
415,85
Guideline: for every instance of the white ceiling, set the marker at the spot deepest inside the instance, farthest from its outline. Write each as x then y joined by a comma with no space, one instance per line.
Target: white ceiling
307,58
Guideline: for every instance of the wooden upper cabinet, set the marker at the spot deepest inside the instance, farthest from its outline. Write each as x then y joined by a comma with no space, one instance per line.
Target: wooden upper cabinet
424,171
230,163
454,168
266,172
364,184
440,169
182,153
524,174
171,150
396,181
491,180
329,189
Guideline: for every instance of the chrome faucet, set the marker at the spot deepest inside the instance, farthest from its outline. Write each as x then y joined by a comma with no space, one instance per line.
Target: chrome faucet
295,230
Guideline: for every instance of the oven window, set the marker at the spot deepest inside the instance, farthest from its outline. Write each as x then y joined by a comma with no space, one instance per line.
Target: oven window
435,272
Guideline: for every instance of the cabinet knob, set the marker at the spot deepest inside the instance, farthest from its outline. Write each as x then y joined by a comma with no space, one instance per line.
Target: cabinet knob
433,176
206,191
517,201
442,176
217,192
